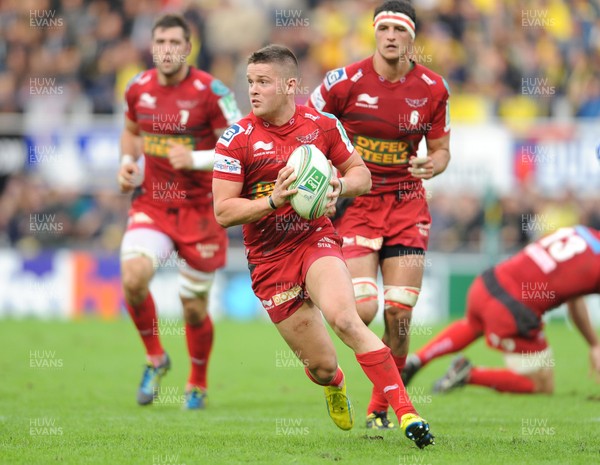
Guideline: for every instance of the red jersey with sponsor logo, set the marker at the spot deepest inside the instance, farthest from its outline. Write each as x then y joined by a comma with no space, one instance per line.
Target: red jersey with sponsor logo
188,113
386,120
555,268
253,151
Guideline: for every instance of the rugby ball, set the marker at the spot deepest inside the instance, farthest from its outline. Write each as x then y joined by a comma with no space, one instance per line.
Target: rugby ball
313,174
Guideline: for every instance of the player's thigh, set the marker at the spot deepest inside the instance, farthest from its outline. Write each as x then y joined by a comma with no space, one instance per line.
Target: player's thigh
142,251
403,270
306,335
329,286
364,266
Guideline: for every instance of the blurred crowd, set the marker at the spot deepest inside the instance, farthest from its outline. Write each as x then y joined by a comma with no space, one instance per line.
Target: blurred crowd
510,58
502,60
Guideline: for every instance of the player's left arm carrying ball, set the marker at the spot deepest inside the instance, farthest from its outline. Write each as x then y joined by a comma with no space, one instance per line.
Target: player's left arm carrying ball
578,313
129,171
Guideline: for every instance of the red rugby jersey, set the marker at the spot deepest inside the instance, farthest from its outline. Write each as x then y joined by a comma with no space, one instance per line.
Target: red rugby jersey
385,120
253,151
188,112
555,268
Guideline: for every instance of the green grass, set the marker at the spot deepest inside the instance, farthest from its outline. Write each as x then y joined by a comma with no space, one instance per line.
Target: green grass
262,411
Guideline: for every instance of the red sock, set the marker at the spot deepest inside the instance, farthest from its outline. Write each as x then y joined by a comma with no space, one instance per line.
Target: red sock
337,380
381,370
199,341
501,380
378,402
144,318
400,362
453,338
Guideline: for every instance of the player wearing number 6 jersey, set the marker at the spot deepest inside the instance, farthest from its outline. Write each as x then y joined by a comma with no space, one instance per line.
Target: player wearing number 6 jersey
506,303
174,115
388,103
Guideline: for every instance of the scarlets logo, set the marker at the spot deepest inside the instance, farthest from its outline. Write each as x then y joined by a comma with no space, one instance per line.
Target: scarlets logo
416,102
307,139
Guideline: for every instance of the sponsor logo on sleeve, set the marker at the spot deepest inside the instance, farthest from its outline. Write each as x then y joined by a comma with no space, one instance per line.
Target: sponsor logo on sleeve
226,164
229,134
335,76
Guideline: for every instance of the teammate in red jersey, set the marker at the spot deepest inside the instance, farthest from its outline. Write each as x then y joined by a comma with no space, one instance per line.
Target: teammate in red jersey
387,103
296,265
506,303
175,113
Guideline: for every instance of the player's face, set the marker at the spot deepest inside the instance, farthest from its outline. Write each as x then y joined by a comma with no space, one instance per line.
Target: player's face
393,42
268,89
169,50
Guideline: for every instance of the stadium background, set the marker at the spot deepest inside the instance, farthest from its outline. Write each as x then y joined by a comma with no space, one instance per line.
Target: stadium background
525,108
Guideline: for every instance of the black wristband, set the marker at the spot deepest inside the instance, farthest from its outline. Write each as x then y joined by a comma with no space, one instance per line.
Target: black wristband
271,203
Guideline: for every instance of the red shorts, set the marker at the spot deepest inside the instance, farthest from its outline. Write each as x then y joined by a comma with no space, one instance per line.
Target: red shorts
375,221
196,235
281,285
487,314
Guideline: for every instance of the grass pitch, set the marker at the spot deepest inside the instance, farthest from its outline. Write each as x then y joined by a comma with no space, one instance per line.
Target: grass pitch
67,396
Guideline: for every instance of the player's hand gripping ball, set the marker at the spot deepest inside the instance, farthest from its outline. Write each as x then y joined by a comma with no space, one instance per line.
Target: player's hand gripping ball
313,173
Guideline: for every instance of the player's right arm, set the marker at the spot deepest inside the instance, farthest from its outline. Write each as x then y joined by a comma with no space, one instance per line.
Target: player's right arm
129,171
228,182
578,313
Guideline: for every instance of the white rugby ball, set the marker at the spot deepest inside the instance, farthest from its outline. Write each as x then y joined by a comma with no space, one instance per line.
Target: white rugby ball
313,174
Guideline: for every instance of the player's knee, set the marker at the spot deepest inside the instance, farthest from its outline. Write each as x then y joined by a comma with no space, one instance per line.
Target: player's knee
543,381
366,294
194,297
346,326
194,310
398,299
136,275
323,370
194,288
